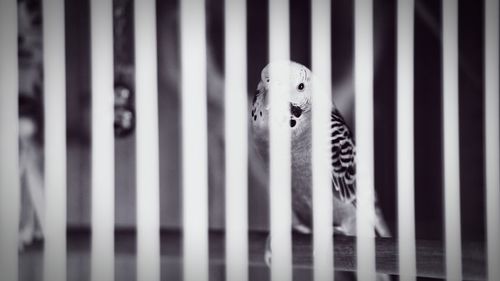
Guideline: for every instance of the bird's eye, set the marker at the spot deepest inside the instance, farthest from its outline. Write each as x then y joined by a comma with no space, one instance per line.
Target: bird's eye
300,87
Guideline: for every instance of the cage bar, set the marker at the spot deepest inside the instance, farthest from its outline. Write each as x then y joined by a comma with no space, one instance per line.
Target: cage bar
363,84
279,143
451,150
54,69
147,142
405,141
103,197
9,142
321,147
236,132
492,137
194,140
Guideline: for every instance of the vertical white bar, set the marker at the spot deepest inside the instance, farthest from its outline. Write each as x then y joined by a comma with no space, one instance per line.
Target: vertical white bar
321,110
405,143
363,67
194,140
9,142
451,149
279,143
103,200
236,112
492,136
54,91
147,142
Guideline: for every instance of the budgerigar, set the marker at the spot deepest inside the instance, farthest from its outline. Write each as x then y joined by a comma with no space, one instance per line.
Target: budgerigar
343,151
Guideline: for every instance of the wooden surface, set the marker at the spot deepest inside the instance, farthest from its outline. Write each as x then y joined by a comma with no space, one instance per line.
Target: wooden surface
430,255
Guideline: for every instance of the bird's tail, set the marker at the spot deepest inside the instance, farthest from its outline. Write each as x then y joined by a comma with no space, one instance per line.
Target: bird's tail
381,227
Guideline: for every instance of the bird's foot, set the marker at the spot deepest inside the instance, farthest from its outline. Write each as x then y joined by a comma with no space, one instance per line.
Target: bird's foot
383,277
267,255
302,229
339,230
267,258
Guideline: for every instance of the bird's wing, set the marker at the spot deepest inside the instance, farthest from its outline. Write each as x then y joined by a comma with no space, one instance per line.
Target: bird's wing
343,153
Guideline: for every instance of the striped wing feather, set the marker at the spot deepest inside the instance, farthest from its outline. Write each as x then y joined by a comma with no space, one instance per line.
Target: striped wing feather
343,159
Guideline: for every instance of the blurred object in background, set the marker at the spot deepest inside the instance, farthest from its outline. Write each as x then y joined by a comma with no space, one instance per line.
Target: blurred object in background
30,48
30,122
124,112
31,165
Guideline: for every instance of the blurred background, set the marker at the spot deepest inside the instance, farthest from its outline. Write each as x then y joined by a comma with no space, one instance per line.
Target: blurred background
428,112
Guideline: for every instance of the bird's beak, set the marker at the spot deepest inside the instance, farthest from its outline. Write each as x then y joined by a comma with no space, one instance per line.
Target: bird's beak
284,118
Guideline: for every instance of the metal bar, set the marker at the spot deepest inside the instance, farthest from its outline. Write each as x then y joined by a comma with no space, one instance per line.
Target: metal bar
9,142
492,137
236,118
279,143
54,69
363,67
451,141
194,138
405,143
103,198
321,147
147,142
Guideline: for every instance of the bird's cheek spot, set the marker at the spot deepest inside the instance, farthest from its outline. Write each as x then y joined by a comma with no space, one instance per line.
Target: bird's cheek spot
293,123
296,110
255,118
261,113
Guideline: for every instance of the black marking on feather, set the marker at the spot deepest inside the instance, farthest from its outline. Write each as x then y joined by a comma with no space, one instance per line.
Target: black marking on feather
343,158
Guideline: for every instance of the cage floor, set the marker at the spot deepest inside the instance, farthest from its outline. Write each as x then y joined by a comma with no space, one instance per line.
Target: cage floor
430,256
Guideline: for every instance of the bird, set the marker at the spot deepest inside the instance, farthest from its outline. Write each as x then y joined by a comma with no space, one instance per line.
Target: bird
342,152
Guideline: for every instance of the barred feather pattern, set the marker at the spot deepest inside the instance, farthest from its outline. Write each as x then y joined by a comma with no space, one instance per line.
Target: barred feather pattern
343,158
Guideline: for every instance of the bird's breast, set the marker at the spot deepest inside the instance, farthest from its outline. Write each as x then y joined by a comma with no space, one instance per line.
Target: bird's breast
301,184
344,213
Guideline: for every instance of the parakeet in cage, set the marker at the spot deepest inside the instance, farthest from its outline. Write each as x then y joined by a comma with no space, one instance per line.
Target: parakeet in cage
342,152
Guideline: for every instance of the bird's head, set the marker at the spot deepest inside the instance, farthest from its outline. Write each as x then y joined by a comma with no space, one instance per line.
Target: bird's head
298,90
